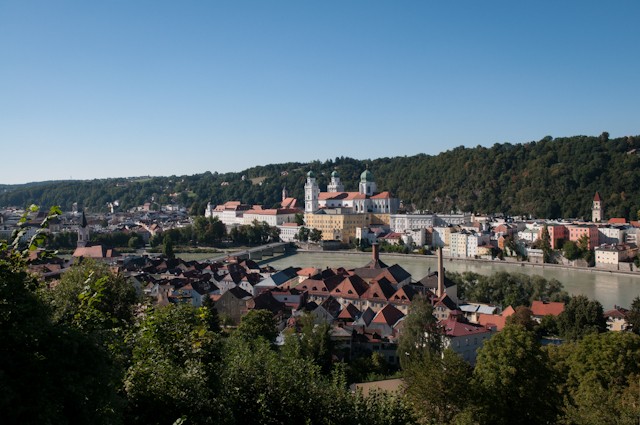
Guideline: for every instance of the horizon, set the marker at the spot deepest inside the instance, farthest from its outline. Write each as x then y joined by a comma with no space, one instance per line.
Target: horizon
262,165
155,88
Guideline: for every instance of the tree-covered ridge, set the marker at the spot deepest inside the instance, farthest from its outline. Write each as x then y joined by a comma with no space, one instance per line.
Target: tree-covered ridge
550,178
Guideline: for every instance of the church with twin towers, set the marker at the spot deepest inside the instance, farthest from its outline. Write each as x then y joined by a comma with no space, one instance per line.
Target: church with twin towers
338,213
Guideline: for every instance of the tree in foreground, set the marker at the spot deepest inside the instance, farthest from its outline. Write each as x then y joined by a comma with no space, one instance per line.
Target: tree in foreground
257,324
437,386
633,316
600,375
514,380
581,316
421,336
175,367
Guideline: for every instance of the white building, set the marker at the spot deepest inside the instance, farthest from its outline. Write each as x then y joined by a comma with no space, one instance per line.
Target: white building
230,213
610,256
366,200
288,231
273,217
610,235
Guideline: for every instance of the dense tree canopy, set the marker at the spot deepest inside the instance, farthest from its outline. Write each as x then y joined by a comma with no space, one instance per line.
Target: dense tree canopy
549,178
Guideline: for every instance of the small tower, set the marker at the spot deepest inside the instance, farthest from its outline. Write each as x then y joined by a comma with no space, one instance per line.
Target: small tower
335,185
83,232
311,194
367,185
285,194
597,210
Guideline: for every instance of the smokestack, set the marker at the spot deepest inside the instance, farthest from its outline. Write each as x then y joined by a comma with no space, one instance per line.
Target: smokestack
440,292
374,251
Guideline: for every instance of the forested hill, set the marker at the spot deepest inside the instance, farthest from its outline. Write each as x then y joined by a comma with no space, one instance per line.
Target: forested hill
550,178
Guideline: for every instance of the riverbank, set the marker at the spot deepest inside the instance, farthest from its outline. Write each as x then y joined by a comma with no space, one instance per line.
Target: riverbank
610,289
479,260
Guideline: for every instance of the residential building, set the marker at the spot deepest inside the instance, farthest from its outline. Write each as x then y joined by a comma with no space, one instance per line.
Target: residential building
578,231
610,256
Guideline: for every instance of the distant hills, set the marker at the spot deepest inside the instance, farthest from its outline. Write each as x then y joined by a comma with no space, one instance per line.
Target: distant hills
552,178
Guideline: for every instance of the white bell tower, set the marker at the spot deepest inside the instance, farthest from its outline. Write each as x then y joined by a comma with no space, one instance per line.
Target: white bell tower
311,194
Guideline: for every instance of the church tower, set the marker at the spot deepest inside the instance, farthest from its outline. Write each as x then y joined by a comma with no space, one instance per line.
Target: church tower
335,185
367,185
83,232
597,210
311,194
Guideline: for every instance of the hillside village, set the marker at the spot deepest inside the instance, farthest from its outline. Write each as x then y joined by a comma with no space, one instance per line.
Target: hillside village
365,306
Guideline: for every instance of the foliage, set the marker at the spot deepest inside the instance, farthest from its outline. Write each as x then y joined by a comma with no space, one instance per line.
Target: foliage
315,235
257,324
313,341
580,317
174,368
514,380
633,315
167,247
522,317
437,386
257,233
421,335
506,289
89,296
547,178
600,376
49,372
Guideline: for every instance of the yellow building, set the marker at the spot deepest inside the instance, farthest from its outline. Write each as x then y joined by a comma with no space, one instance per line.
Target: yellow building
336,224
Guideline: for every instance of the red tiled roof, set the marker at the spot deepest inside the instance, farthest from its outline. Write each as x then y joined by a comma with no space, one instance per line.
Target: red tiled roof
350,312
382,195
596,197
617,220
325,196
616,313
539,308
350,287
454,328
389,315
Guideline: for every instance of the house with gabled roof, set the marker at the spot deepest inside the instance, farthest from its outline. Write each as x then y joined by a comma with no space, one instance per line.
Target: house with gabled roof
349,314
403,297
278,279
463,337
495,321
385,319
350,290
378,294
539,309
365,318
617,319
233,304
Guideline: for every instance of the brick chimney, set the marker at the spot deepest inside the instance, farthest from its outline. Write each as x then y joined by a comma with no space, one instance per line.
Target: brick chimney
440,292
375,254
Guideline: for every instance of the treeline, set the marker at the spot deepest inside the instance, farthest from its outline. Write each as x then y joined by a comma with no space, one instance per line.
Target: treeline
550,178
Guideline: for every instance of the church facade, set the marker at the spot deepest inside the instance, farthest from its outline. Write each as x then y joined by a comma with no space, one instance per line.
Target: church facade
338,213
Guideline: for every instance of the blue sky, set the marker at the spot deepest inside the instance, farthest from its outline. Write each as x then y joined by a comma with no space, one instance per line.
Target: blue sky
126,88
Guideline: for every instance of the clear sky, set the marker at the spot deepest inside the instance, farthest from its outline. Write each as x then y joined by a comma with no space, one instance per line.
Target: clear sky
117,88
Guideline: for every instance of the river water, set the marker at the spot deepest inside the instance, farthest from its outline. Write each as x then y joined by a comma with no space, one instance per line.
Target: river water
608,288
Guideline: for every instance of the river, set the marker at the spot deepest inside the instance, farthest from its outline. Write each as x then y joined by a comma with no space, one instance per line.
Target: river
608,288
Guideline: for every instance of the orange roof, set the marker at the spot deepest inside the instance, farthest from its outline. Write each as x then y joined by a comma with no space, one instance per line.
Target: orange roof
340,196
618,220
388,315
539,308
382,195
497,320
